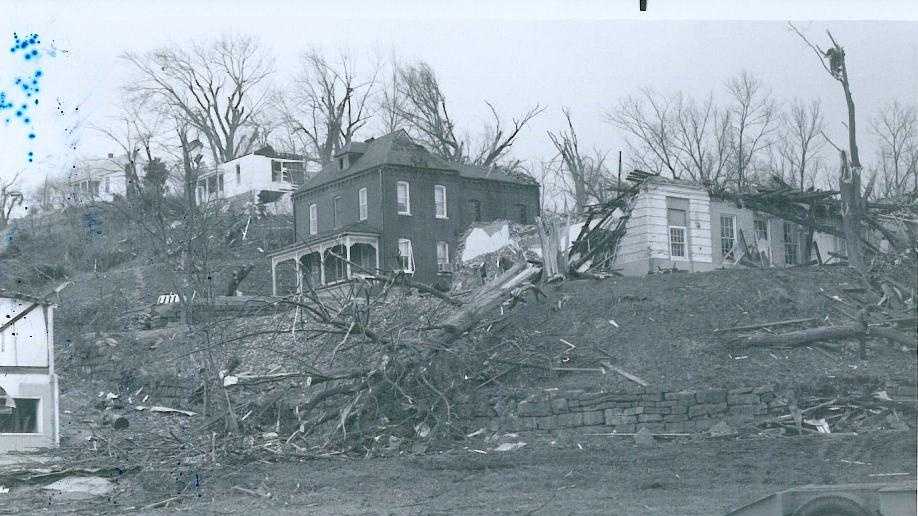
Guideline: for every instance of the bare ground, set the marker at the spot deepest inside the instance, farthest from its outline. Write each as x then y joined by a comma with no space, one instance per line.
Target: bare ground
575,475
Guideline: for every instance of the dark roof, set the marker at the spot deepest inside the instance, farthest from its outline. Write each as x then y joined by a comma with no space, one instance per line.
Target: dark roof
269,152
398,149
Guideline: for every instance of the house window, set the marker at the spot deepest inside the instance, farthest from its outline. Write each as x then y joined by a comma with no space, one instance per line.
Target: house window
336,211
276,172
522,214
313,219
21,418
220,183
440,201
405,255
727,236
761,229
238,175
790,244
403,194
475,210
108,184
362,203
442,257
676,220
342,163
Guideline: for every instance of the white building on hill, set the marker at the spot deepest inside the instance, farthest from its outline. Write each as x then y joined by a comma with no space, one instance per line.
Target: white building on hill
28,383
265,177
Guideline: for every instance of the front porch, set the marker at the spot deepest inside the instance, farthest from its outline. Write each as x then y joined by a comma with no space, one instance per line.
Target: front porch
318,263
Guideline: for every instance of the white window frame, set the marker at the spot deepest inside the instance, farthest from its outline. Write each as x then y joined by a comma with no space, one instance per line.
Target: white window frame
398,190
238,174
440,206
443,256
684,243
404,246
313,219
723,252
362,204
791,240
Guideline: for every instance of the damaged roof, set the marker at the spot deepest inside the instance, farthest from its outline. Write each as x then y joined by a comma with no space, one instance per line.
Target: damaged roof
399,149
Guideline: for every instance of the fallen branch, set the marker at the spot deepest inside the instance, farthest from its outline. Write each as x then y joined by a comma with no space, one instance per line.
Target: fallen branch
624,373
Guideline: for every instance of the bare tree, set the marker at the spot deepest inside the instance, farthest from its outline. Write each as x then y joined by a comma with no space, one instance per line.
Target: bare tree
896,129
799,149
329,105
217,87
702,135
422,106
752,114
587,175
648,122
10,198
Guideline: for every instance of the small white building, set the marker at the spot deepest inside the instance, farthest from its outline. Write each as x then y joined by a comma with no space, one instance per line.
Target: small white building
265,177
675,224
28,383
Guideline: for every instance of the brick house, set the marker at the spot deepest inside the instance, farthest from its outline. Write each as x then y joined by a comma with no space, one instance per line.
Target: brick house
390,204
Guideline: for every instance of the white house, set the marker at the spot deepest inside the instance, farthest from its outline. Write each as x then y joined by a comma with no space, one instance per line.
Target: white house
98,179
265,177
676,224
28,383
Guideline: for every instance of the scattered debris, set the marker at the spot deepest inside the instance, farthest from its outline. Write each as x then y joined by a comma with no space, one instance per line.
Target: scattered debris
505,447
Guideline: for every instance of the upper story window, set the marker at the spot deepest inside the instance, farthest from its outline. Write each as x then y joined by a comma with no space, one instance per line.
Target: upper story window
727,236
676,220
362,203
342,162
313,219
440,201
475,210
277,173
403,198
108,184
238,174
336,211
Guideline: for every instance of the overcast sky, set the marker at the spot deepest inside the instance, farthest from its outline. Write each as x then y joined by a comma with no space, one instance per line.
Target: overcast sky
581,54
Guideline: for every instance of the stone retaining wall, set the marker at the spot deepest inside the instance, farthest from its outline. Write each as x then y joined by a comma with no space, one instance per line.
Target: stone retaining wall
628,410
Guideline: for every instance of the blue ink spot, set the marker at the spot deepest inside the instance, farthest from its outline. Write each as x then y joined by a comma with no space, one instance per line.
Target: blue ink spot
31,136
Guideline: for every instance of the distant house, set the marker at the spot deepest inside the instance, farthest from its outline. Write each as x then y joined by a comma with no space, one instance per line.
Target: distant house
28,383
97,179
676,224
266,177
389,204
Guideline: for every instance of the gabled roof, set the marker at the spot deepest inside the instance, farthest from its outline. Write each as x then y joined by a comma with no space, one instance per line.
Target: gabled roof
399,149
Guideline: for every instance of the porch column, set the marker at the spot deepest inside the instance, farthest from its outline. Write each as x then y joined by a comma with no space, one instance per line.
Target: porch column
299,275
322,265
274,277
347,254
376,248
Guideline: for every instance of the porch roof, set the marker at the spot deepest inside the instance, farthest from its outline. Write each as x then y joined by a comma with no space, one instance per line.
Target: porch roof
355,229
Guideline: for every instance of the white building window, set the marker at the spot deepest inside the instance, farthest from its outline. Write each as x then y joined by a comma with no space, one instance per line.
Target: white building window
440,201
313,219
442,257
405,255
790,244
676,220
727,236
362,203
108,184
761,229
23,418
238,174
403,198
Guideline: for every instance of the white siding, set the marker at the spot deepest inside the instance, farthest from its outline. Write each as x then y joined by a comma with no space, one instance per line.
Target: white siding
25,343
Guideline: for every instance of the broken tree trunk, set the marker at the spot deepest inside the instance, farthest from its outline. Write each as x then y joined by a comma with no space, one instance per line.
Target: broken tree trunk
852,211
492,296
803,337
